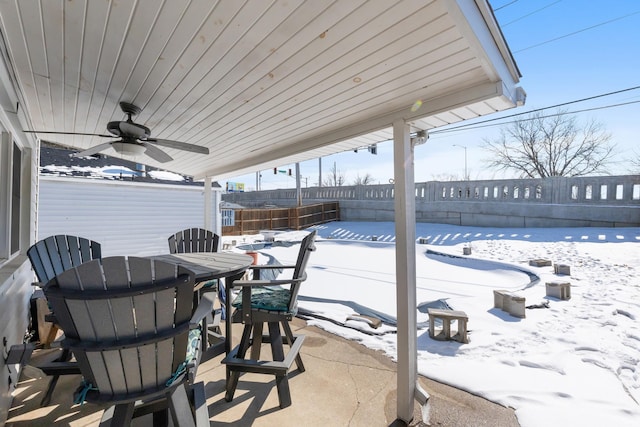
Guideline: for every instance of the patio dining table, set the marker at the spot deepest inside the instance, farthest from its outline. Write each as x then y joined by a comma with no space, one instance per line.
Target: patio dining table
214,265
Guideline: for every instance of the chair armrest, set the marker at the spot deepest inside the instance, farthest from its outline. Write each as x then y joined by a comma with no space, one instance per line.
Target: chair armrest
270,266
204,308
276,282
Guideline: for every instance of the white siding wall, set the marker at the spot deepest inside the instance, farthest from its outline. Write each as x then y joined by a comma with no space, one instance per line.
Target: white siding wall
127,218
15,270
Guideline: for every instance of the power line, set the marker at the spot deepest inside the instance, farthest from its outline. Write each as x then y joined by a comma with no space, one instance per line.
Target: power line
505,5
531,13
535,118
538,109
579,31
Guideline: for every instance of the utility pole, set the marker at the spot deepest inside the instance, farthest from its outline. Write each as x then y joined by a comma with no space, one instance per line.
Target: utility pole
466,176
298,188
319,171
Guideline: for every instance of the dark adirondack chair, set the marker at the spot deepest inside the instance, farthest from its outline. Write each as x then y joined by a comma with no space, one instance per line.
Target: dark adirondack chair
200,240
193,240
273,302
50,257
129,322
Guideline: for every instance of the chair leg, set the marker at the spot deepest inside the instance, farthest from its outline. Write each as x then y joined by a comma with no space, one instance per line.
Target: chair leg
256,345
200,405
277,350
233,376
284,394
290,339
64,357
161,418
49,393
118,415
180,408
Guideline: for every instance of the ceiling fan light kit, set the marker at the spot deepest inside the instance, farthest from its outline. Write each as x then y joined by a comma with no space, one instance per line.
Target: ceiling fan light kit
130,149
135,139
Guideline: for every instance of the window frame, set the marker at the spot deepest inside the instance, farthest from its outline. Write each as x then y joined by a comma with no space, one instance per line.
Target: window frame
11,203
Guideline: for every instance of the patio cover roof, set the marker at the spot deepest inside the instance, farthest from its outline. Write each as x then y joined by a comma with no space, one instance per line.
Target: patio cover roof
260,83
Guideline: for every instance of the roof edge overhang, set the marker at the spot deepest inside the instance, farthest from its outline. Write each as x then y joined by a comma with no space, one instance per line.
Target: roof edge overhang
478,24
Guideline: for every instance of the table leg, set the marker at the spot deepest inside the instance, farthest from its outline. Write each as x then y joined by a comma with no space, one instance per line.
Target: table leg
228,282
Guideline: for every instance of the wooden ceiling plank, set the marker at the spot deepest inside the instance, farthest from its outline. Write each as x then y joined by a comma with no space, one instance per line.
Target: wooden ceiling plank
118,24
368,94
73,28
191,37
12,23
310,49
333,82
233,54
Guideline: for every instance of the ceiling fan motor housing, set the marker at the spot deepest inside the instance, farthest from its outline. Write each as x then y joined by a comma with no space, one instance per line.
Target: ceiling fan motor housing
128,128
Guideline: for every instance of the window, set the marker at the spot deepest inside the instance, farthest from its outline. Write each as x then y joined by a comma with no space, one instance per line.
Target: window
603,192
16,172
538,191
574,192
11,165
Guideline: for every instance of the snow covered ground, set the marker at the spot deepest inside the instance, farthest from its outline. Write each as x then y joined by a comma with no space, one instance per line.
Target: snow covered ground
575,363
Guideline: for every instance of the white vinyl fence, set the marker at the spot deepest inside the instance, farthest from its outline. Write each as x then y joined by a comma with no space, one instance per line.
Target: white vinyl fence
127,218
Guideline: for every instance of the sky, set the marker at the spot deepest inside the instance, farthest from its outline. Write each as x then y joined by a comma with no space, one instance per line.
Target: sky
575,362
566,50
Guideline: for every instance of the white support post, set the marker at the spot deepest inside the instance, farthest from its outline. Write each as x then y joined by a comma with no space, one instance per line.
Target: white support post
217,201
298,185
405,213
207,203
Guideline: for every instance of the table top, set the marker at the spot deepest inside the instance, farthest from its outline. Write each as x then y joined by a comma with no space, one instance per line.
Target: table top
210,265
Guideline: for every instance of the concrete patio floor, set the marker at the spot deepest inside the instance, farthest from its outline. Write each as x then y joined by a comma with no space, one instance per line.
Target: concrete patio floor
345,384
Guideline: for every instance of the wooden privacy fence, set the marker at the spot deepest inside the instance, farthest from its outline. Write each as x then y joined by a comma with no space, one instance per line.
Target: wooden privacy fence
251,221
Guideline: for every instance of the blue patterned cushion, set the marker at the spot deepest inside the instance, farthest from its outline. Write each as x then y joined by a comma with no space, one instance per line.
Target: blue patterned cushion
192,344
210,283
192,348
267,298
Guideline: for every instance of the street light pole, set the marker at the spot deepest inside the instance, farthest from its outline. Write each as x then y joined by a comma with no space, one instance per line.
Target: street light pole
466,177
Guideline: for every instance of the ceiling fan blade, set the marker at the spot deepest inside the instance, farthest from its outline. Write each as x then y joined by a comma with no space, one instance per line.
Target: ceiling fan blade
67,133
179,145
156,154
93,150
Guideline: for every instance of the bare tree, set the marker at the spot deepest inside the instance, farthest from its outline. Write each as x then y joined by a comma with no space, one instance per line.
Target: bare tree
635,163
363,180
539,146
334,178
445,177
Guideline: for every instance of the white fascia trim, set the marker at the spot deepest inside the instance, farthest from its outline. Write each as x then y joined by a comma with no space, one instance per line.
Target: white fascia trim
476,22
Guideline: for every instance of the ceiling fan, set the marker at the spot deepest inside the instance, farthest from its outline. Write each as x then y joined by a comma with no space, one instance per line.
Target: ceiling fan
134,139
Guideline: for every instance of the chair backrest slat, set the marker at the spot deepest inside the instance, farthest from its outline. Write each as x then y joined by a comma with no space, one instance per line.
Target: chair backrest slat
193,240
64,250
306,247
55,254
